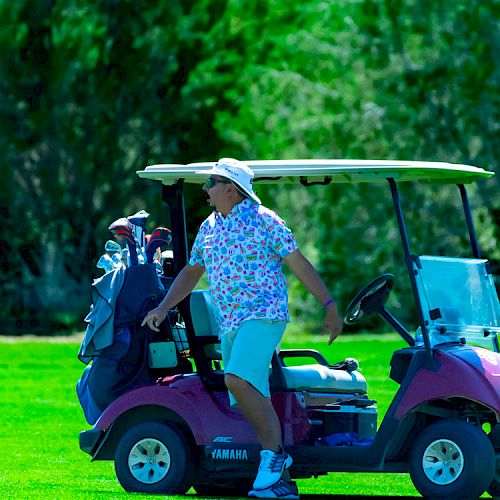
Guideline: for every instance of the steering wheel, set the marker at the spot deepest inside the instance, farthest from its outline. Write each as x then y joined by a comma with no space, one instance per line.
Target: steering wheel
370,299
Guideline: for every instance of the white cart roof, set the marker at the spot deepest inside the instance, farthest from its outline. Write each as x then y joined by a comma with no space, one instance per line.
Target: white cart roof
337,171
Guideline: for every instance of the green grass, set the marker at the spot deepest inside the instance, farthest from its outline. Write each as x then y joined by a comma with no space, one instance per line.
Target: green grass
41,420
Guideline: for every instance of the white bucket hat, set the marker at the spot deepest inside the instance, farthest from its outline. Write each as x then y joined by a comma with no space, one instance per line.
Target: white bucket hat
237,172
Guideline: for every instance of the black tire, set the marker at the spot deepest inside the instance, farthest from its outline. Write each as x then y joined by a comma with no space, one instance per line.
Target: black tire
153,458
227,488
494,488
460,459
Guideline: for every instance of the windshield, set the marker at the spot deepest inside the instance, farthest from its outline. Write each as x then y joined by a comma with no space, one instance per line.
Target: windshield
459,300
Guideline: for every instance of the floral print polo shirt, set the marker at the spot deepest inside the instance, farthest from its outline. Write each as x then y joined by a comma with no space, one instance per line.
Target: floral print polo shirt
242,255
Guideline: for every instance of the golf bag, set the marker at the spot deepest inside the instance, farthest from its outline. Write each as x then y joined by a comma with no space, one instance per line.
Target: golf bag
123,365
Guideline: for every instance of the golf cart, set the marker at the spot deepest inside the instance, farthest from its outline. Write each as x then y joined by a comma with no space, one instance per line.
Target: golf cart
443,426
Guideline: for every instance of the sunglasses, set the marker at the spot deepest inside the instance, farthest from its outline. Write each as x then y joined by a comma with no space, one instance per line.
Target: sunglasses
211,182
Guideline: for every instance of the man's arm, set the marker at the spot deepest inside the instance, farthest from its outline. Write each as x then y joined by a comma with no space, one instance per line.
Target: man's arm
182,286
309,277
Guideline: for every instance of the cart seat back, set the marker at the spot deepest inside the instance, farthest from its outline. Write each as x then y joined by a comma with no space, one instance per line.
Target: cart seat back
313,377
205,324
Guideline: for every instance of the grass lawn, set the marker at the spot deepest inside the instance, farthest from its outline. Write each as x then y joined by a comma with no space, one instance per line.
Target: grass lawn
41,420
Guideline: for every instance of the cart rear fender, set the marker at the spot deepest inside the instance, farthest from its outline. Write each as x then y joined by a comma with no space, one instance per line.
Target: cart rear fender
167,397
205,413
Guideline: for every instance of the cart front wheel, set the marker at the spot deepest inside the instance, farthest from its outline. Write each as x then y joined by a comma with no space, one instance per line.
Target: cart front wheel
153,458
452,459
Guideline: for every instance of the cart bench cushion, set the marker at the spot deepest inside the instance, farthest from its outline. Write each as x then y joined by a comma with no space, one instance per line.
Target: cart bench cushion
313,377
320,378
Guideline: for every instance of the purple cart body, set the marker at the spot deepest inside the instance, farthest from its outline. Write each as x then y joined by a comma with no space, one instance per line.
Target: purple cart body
185,395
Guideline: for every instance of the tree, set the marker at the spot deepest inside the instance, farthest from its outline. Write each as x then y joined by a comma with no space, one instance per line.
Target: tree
369,79
91,92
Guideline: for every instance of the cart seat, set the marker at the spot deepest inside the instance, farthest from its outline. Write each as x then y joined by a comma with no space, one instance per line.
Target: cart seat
321,378
311,377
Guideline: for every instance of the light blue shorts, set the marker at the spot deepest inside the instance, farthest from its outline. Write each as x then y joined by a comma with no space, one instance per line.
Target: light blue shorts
248,351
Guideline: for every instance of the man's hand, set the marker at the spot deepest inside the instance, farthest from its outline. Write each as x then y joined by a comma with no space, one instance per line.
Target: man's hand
333,322
154,318
181,287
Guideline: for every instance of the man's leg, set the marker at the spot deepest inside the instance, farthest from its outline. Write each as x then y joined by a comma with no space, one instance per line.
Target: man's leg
258,410
247,356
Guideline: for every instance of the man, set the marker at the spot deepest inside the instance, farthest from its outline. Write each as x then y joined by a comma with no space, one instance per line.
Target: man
241,247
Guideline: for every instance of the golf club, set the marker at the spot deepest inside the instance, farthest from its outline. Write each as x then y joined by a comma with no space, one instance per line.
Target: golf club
105,262
139,222
112,247
117,260
114,250
125,256
123,228
160,237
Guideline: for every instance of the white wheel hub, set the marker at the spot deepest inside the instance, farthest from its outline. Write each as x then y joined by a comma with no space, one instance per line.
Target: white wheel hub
443,462
149,461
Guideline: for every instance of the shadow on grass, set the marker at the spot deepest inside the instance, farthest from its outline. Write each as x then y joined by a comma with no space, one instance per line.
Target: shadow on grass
321,496
313,496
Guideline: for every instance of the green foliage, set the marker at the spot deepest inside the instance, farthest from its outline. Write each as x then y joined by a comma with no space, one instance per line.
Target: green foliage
368,79
92,92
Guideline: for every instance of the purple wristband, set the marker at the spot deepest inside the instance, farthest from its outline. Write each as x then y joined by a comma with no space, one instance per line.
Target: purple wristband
328,302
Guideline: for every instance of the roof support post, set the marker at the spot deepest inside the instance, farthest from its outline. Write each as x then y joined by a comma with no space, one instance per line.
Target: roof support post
470,223
409,262
174,197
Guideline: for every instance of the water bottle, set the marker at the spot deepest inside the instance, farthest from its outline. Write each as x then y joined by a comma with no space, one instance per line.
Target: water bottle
419,339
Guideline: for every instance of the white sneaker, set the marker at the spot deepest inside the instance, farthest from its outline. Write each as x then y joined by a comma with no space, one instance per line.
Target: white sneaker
281,489
271,468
